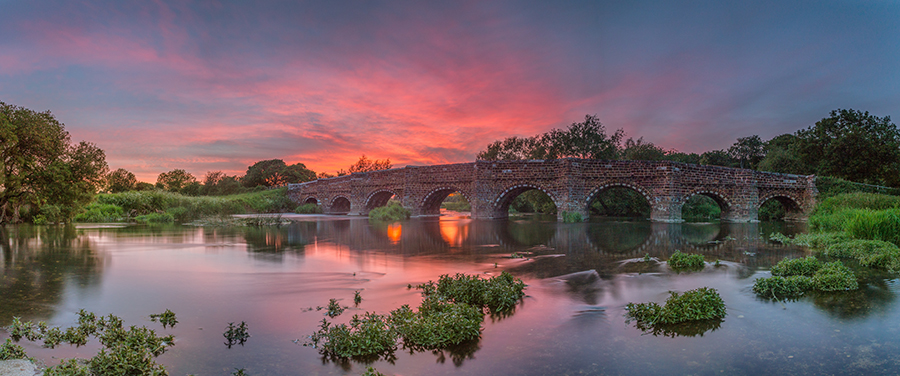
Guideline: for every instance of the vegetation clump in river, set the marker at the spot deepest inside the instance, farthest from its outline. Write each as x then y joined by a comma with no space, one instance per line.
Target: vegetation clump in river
792,278
702,304
391,212
686,261
124,352
451,313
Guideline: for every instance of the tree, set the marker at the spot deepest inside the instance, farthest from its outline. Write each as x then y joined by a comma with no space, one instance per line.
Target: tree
175,180
718,158
40,168
852,145
638,150
748,151
365,164
586,140
120,180
275,172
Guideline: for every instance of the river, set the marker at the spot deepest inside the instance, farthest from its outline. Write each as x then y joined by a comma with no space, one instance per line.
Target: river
579,277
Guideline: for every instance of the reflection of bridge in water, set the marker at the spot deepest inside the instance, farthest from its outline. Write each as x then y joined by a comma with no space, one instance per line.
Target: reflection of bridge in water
594,243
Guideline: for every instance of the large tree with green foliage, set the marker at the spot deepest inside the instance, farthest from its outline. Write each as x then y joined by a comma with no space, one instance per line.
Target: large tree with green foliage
274,172
748,151
587,140
40,169
852,145
120,180
175,180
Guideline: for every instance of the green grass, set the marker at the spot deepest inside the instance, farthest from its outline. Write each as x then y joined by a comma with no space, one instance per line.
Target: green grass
183,208
308,209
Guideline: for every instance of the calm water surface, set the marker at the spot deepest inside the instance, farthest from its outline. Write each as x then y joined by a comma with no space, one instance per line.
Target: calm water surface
579,276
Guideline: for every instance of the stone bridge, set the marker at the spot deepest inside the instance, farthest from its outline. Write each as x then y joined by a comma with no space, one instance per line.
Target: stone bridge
490,187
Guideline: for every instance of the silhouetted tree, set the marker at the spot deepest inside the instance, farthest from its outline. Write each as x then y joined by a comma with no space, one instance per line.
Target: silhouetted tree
120,180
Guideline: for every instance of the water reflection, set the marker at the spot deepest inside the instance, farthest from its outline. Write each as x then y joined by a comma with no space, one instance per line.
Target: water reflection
39,264
579,275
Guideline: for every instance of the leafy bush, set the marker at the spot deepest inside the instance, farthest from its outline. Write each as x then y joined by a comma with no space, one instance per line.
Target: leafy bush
699,304
686,261
97,212
390,212
834,276
796,267
308,209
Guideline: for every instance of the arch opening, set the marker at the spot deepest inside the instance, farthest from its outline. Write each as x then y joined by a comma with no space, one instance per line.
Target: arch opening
378,199
705,206
779,208
525,199
619,201
446,201
311,200
340,205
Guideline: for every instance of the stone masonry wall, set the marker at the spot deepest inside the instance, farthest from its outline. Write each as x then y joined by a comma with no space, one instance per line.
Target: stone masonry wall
490,186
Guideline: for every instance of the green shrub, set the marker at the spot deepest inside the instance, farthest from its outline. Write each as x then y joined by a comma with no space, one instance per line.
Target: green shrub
97,212
778,287
686,261
834,276
308,209
793,267
699,304
390,212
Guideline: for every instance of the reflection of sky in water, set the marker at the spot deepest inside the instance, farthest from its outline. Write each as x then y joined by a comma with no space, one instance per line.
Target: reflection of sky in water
274,278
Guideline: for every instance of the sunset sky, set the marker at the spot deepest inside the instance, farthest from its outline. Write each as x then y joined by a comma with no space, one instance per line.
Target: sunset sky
206,86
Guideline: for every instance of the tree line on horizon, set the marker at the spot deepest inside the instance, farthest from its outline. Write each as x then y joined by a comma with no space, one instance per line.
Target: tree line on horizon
43,172
848,144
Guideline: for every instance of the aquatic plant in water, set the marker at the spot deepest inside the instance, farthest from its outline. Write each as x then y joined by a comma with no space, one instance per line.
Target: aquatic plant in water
166,318
451,313
686,261
124,352
236,335
699,304
792,278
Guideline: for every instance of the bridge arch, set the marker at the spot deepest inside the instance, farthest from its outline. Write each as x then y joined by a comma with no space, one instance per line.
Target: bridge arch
720,198
311,200
431,203
595,193
792,204
378,198
501,203
339,205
